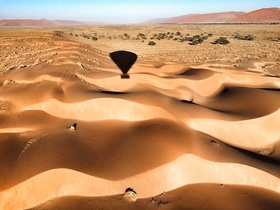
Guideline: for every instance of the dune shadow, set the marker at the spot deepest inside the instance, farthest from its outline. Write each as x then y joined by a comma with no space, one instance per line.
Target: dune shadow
247,102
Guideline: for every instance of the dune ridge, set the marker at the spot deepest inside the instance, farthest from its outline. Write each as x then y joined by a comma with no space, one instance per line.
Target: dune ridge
172,132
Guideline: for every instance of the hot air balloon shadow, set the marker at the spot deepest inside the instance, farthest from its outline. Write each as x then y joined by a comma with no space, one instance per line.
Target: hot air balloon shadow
124,60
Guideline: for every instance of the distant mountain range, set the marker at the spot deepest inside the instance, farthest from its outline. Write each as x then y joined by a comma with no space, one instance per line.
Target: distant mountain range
266,15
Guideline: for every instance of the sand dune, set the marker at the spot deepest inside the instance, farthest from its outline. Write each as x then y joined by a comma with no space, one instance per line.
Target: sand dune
182,136
166,177
263,15
196,196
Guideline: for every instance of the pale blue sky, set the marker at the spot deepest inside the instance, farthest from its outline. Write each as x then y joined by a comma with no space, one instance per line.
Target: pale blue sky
122,11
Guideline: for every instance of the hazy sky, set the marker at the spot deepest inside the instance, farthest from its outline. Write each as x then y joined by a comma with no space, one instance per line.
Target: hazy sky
122,11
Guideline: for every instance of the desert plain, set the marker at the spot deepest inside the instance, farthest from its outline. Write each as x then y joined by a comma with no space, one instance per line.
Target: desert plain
196,126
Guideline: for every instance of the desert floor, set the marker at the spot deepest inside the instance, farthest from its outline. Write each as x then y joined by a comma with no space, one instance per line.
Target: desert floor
195,126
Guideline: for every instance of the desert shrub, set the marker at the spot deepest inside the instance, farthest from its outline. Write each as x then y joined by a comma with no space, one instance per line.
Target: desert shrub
205,37
57,33
184,39
94,38
194,42
190,39
200,40
130,193
86,36
130,190
209,35
178,33
196,39
151,43
221,40
247,37
126,36
161,36
196,36
154,36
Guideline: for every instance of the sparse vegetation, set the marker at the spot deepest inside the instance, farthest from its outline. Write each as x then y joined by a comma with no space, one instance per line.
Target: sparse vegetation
177,37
